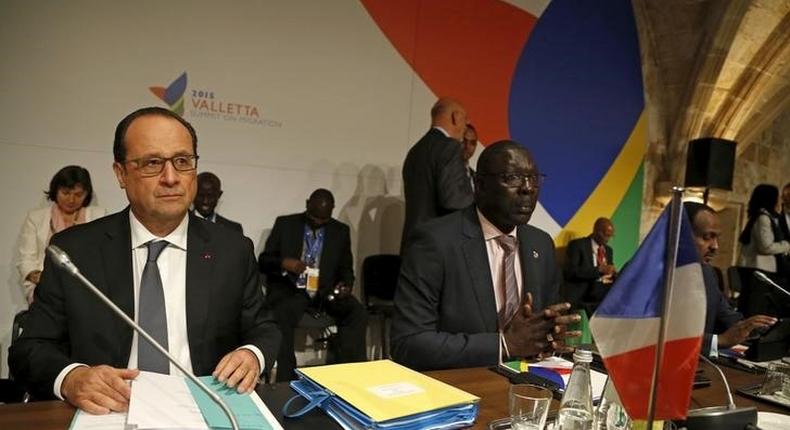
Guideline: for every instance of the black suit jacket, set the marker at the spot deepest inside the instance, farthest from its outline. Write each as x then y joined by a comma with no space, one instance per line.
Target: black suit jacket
435,181
68,324
286,241
581,275
719,316
445,309
233,225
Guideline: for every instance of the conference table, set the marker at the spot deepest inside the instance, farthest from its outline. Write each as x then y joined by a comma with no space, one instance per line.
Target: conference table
491,387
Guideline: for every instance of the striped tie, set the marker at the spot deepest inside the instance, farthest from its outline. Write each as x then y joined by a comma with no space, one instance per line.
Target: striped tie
509,308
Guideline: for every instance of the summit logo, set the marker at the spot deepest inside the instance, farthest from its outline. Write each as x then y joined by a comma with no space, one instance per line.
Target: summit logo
173,95
209,104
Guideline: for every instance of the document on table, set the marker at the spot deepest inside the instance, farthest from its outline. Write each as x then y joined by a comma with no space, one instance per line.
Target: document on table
85,421
163,402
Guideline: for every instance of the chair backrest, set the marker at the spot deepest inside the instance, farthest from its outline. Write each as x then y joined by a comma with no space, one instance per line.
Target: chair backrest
380,276
734,279
18,325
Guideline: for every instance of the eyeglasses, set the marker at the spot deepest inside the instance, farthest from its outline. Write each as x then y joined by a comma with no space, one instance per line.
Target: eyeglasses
151,166
513,180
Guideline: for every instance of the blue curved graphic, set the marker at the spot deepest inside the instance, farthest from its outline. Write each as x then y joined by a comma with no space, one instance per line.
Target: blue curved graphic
575,97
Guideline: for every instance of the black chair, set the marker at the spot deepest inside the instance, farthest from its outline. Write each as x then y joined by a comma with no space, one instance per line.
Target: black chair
379,279
10,390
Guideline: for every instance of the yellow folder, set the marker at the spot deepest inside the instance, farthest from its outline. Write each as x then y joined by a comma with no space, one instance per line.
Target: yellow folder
385,390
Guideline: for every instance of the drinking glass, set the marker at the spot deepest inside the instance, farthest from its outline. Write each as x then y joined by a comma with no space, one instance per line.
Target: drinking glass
529,406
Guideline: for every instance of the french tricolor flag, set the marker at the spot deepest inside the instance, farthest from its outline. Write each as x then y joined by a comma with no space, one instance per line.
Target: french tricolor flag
626,325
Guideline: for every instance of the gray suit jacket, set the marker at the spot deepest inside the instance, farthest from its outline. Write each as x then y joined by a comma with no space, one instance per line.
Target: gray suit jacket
445,310
435,181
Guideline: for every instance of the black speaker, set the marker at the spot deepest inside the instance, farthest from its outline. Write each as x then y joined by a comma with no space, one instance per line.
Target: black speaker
710,163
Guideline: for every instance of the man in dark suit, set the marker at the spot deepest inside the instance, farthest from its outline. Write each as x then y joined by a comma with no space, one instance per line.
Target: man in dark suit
479,285
209,190
435,181
193,287
468,147
307,262
589,271
724,327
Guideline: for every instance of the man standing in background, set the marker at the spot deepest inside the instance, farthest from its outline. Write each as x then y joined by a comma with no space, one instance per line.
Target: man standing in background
209,190
468,147
435,181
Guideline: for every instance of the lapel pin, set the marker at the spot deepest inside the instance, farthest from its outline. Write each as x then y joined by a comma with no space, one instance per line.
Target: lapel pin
535,254
207,256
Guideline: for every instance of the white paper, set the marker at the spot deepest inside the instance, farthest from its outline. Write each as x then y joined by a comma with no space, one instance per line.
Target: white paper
163,402
85,421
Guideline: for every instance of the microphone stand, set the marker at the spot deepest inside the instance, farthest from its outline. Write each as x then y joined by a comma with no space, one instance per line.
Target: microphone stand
63,261
761,276
728,417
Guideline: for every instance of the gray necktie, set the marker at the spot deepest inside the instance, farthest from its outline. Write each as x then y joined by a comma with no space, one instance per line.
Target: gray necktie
509,308
152,316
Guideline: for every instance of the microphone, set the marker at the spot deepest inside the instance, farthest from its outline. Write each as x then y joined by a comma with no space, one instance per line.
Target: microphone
761,276
728,417
62,260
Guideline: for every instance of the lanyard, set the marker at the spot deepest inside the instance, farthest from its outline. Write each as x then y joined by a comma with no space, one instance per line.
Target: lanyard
313,244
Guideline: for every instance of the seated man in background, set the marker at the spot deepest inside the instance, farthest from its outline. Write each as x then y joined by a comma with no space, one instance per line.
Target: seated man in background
307,262
480,285
589,271
209,190
724,327
193,287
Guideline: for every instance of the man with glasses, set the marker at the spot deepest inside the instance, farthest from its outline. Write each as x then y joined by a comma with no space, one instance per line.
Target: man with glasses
480,285
589,267
193,287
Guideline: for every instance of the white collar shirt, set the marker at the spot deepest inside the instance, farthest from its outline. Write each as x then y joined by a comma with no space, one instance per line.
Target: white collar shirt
172,263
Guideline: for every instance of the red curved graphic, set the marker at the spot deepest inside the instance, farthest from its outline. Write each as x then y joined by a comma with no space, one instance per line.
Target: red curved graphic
467,49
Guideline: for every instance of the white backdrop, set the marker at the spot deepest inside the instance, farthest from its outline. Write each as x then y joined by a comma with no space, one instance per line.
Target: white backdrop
338,108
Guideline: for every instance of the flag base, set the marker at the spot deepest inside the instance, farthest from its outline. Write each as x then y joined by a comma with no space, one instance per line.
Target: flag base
721,418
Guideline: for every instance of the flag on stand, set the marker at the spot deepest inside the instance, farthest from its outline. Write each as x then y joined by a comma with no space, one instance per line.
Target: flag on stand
626,325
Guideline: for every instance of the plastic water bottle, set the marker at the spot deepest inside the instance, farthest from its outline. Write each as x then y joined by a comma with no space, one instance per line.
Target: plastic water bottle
576,410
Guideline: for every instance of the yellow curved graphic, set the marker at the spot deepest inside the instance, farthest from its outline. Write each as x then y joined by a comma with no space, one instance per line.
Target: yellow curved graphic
610,190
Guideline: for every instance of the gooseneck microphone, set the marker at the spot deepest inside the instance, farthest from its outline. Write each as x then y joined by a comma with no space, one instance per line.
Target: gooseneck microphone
62,260
761,276
728,417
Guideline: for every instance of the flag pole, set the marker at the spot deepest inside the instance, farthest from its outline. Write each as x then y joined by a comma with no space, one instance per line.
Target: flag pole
673,240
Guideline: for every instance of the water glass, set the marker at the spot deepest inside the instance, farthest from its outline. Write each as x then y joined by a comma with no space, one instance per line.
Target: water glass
529,406
775,376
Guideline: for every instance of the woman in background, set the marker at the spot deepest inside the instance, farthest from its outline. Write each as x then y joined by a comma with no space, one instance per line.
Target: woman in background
71,192
762,241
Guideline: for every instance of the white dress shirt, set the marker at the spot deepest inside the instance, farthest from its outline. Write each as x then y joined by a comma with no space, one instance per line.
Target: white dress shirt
172,264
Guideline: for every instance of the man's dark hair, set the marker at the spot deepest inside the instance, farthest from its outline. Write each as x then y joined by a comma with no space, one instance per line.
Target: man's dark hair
209,177
322,195
118,145
693,208
69,177
488,158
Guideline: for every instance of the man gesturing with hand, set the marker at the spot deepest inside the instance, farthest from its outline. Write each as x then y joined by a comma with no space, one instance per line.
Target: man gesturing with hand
480,285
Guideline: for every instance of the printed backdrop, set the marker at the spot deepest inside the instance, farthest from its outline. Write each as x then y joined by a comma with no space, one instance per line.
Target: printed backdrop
290,96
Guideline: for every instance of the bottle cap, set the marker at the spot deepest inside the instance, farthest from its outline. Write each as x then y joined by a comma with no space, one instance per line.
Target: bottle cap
582,356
